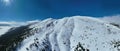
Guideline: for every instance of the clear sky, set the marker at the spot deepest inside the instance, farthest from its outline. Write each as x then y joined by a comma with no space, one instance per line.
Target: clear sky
25,10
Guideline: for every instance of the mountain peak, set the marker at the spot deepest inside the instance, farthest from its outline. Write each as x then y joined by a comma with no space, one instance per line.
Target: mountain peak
75,33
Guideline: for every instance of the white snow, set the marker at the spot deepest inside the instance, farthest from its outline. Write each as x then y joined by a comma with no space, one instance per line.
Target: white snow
64,34
112,19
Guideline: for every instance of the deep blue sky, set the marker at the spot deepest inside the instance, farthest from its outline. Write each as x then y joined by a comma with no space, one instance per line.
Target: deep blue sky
24,10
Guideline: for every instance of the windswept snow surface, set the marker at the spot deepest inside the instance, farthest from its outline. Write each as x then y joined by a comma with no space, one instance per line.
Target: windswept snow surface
65,35
112,19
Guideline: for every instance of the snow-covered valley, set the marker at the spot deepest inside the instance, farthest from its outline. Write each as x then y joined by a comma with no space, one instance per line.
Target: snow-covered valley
77,33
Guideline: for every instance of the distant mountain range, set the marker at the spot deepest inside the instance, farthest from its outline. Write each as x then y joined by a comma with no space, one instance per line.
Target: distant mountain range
77,33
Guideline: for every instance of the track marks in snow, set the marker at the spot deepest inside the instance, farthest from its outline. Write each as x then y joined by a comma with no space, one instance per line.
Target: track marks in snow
64,35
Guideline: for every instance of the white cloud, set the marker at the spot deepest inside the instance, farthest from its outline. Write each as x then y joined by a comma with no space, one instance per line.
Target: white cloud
7,22
33,21
16,24
2,23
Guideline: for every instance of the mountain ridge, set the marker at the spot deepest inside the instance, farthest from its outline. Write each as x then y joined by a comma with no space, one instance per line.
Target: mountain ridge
77,33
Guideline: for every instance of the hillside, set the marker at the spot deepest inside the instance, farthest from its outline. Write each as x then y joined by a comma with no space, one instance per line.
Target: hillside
77,33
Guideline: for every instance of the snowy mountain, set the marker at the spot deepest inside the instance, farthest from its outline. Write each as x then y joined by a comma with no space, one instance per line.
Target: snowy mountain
115,20
77,33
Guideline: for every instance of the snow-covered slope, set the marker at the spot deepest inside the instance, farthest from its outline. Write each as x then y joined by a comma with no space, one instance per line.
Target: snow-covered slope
77,33
114,20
